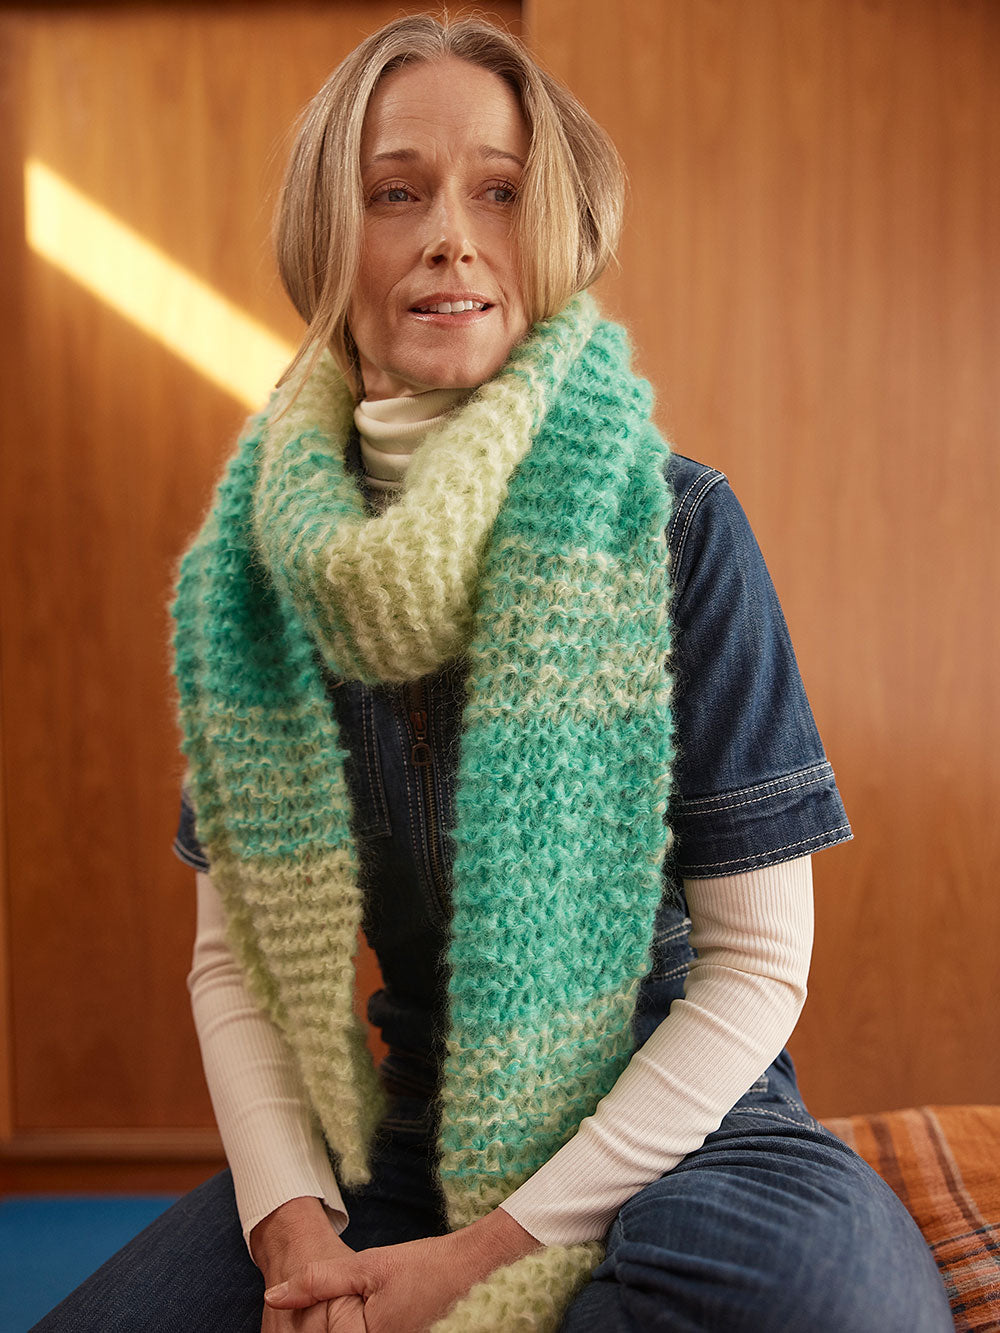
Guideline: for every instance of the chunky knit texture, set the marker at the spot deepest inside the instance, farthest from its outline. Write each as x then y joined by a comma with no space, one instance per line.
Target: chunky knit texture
529,1296
557,597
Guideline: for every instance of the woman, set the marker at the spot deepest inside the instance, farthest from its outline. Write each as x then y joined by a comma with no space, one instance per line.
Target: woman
425,647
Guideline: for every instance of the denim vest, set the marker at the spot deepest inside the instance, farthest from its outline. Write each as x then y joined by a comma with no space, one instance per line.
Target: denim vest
751,785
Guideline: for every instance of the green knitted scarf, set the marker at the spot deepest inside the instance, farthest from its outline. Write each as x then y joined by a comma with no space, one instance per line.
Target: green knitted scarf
528,538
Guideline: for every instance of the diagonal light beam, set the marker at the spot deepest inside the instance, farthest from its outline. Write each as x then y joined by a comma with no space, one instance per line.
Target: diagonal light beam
147,287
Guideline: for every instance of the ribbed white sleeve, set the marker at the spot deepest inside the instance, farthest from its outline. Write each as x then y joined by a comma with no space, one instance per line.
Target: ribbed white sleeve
753,934
273,1145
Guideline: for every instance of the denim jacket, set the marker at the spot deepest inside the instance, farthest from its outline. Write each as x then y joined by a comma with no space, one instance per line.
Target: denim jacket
751,783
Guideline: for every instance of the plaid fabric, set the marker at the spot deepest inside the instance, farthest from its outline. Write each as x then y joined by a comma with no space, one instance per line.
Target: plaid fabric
944,1163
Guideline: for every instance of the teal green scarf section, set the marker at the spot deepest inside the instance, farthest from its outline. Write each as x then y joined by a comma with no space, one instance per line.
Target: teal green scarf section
548,574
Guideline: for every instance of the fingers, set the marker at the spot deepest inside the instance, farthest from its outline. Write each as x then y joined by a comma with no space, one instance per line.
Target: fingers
311,1320
320,1280
346,1315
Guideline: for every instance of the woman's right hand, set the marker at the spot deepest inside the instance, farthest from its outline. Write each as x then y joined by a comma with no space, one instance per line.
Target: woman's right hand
294,1235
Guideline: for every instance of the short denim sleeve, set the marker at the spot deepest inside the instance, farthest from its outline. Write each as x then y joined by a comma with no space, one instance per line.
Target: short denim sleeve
752,785
186,844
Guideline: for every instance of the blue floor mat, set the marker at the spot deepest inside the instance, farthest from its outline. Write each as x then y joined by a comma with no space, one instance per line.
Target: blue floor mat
50,1243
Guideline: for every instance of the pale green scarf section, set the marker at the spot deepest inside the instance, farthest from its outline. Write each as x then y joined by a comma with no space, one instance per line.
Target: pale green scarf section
390,598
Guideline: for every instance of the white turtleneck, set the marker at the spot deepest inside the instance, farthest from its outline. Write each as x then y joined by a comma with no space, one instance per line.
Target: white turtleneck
753,937
392,428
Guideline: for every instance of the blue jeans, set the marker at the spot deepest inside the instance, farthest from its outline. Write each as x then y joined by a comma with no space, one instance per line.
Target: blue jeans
773,1224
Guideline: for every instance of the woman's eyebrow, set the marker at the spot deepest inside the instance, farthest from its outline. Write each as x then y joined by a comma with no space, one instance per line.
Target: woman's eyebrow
393,155
492,153
412,155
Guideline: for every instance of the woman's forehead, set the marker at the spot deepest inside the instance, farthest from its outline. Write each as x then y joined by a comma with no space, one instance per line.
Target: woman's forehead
417,109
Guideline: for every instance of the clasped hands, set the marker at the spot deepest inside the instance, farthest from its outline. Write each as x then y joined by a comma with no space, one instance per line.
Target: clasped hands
318,1284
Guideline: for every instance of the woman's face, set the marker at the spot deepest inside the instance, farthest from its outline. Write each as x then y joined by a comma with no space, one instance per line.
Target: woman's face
442,154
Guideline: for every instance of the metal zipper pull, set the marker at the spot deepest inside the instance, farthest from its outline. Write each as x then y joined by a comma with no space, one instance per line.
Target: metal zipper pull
420,751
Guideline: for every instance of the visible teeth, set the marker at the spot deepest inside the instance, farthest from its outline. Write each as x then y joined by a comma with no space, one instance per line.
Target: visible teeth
450,307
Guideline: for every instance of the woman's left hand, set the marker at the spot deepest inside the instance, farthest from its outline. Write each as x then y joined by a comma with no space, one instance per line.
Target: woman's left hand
406,1288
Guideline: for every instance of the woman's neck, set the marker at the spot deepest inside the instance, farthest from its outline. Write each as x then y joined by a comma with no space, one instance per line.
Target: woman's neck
391,429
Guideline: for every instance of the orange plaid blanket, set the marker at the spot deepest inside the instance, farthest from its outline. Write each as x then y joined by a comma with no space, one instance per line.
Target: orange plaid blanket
944,1163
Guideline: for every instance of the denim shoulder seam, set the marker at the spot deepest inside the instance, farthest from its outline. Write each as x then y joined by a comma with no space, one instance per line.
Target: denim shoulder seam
685,508
810,776
814,843
189,858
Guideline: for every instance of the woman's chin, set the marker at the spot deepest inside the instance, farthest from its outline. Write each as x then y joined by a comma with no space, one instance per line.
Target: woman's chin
423,379
455,363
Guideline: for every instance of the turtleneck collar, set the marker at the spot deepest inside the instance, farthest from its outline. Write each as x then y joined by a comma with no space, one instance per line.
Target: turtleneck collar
392,428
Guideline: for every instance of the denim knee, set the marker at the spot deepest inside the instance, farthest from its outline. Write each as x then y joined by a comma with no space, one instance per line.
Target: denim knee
781,1249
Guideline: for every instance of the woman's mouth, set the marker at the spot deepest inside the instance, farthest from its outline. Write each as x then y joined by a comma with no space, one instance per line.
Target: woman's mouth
450,307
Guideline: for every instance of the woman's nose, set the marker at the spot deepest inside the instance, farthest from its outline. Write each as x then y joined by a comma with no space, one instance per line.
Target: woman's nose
451,237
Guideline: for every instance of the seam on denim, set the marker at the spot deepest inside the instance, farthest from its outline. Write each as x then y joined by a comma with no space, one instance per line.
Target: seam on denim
679,503
766,1110
441,784
189,858
703,485
692,499
764,796
675,933
797,1106
772,787
820,839
376,789
822,765
403,739
679,970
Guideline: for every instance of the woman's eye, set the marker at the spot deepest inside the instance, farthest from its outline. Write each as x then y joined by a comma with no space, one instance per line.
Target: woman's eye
502,193
391,194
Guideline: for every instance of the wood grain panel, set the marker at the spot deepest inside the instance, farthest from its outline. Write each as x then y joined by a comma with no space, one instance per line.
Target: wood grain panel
11,241
175,119
811,273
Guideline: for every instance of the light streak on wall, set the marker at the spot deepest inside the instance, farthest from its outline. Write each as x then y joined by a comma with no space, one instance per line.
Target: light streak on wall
147,287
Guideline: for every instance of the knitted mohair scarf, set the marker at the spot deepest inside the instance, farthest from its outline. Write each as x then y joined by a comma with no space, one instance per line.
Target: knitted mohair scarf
529,538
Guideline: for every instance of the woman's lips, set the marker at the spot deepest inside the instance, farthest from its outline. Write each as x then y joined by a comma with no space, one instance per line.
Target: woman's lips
451,318
451,309
448,307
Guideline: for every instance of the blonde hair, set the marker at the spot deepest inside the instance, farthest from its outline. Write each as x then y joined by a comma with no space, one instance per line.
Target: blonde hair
568,213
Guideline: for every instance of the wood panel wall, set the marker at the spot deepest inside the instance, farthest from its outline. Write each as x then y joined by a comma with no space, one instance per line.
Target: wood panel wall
811,274
175,120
